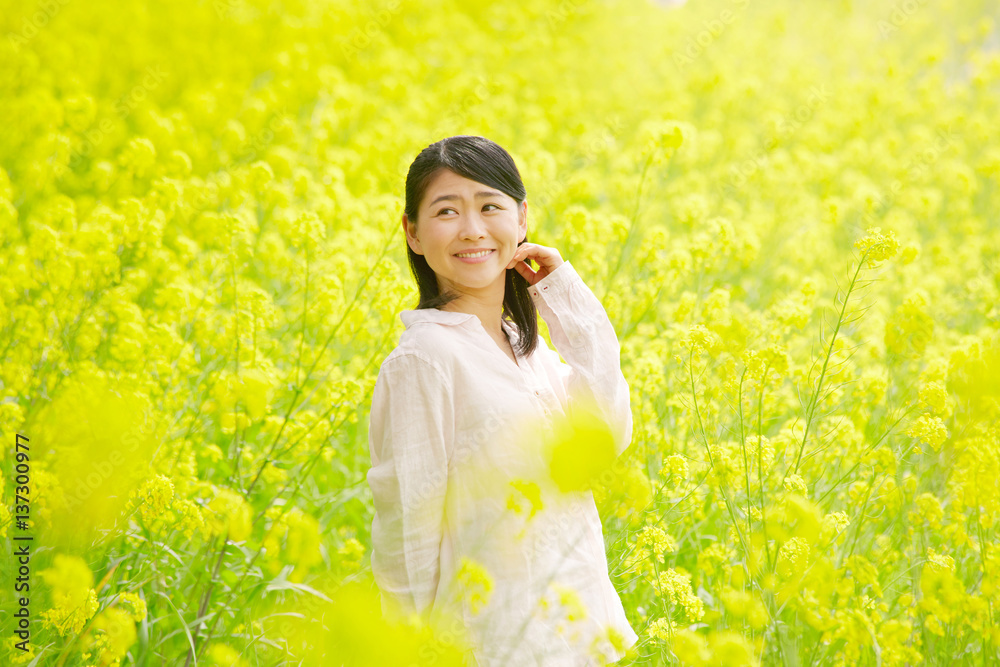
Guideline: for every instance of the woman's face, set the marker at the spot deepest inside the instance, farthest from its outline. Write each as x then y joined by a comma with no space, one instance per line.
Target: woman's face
458,215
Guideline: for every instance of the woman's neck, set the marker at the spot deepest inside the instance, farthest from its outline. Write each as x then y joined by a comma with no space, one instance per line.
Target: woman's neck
489,315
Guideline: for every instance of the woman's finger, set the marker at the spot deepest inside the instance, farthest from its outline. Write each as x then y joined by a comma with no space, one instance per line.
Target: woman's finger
526,272
548,260
520,253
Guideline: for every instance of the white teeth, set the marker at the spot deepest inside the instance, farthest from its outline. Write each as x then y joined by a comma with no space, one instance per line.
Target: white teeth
475,254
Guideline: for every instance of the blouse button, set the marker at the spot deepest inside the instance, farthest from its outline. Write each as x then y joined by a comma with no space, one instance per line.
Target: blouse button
545,287
537,394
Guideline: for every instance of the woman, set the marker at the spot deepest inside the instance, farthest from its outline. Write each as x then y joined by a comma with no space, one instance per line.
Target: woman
468,529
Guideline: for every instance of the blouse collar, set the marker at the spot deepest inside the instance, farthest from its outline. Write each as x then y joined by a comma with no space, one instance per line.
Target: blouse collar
411,317
448,317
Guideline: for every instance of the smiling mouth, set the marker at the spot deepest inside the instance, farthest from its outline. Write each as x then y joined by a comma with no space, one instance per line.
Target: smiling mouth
475,254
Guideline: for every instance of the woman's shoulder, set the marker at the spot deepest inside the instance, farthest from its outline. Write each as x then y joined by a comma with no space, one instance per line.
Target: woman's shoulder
418,346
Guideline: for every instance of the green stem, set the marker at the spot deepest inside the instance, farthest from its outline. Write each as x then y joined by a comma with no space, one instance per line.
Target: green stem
760,469
631,226
711,460
814,401
208,595
299,385
743,448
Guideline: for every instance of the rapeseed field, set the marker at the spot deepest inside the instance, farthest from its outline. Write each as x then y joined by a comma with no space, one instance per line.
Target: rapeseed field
788,209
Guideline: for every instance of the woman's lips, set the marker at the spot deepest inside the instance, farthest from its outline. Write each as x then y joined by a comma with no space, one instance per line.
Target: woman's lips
475,260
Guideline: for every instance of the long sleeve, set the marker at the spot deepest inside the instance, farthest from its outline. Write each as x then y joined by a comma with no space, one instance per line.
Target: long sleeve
410,433
586,339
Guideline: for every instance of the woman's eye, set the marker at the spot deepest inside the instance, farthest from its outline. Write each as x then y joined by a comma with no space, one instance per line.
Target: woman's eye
445,210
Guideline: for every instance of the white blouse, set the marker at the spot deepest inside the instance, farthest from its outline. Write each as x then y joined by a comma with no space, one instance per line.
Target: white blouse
456,428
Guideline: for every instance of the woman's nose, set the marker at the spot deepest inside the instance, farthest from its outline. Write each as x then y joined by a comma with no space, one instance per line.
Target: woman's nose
473,226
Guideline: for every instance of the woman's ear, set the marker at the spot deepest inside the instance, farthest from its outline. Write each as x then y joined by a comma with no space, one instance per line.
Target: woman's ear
409,228
522,227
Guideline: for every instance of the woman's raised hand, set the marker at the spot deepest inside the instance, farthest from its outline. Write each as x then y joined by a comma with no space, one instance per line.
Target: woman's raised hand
548,260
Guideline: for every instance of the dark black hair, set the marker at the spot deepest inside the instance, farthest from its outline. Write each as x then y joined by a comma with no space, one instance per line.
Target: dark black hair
483,161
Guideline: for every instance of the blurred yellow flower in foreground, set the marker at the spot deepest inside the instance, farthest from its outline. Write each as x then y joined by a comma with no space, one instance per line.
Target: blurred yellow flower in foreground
581,449
101,442
343,624
477,582
229,511
74,600
117,634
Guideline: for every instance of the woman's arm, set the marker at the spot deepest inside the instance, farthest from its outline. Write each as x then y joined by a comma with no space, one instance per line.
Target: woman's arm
583,334
410,431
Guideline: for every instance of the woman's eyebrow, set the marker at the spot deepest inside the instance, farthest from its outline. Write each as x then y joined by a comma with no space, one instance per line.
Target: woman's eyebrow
482,193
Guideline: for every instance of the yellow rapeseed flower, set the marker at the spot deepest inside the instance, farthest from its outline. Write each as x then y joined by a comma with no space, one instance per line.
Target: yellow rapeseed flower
929,429
656,541
476,582
793,557
928,511
876,246
134,605
661,629
525,493
674,584
74,599
117,629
